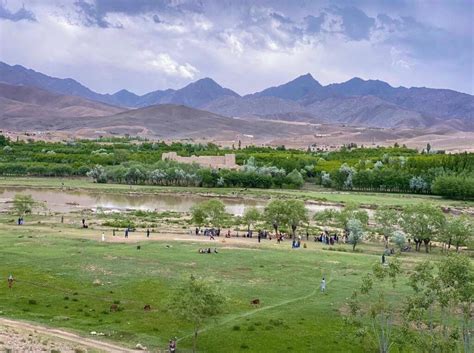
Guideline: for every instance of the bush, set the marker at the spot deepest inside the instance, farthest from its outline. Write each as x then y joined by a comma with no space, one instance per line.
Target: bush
456,187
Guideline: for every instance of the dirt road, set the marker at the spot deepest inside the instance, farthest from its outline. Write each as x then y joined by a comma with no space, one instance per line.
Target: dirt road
22,336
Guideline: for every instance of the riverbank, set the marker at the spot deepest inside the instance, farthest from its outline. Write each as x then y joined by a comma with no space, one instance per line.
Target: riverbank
310,193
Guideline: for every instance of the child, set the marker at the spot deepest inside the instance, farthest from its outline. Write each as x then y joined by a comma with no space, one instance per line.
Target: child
323,285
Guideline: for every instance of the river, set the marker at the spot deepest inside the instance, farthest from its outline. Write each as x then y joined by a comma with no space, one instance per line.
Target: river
63,201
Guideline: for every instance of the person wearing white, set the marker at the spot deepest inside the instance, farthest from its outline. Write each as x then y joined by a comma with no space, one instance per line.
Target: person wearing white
103,236
323,285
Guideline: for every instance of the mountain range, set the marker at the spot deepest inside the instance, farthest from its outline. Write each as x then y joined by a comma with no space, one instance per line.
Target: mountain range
369,103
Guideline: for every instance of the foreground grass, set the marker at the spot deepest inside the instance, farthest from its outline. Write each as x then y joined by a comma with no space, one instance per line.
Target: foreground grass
56,267
309,193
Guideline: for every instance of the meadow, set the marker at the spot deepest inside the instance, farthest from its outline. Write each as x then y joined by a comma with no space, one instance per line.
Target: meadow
66,277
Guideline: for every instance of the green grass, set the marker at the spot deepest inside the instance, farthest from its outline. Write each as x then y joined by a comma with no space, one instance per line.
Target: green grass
56,267
309,193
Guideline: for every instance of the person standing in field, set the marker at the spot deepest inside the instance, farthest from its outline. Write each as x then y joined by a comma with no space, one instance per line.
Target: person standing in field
103,236
323,285
10,281
148,233
126,233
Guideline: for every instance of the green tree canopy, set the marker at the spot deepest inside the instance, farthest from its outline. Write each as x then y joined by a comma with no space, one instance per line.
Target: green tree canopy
423,222
296,215
459,231
196,302
251,216
387,220
211,212
23,204
356,232
275,214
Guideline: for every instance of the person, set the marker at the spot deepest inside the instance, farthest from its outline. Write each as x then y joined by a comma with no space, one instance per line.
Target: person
83,223
148,233
19,221
126,232
383,259
197,231
211,235
215,251
103,236
172,346
10,281
323,285
113,232
307,235
62,219
259,236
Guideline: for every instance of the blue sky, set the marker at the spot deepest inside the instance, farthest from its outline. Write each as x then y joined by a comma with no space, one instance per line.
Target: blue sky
144,45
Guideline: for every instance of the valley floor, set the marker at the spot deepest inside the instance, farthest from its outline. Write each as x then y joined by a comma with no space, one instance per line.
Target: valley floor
67,278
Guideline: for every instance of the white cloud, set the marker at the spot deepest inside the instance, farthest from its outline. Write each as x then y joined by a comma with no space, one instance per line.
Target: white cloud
164,63
246,46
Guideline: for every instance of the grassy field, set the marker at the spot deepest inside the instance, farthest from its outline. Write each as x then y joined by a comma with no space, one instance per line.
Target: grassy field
66,277
309,193
56,266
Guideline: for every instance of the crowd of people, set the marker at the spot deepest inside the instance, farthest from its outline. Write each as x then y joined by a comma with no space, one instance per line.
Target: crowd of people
330,239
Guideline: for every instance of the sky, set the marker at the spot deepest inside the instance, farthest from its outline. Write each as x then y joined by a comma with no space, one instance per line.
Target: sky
145,45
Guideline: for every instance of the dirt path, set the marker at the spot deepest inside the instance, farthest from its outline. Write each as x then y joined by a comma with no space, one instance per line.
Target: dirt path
67,340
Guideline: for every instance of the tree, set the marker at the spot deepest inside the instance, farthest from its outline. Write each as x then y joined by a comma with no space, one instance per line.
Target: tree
340,218
210,212
399,238
250,217
423,222
3,140
296,215
275,213
365,307
352,211
215,211
196,302
295,178
444,290
387,219
458,231
23,204
98,173
198,215
356,232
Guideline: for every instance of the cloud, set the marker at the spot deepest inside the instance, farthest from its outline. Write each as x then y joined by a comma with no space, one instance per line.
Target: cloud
90,15
247,45
164,63
19,15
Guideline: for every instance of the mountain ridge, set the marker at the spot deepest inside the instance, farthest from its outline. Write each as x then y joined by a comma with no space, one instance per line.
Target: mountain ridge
302,97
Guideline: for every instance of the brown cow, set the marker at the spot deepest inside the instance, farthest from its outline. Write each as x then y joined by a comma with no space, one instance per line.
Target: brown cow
255,302
147,307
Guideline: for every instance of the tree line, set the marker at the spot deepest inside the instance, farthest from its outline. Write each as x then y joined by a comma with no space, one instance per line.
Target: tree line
124,160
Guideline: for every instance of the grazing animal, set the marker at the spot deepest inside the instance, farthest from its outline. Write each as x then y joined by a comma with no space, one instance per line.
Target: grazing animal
114,308
255,302
147,307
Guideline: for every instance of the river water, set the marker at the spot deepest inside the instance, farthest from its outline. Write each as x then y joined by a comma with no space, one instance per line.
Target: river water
67,201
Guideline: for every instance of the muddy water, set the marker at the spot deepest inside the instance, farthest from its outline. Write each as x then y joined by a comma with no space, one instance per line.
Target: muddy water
67,201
